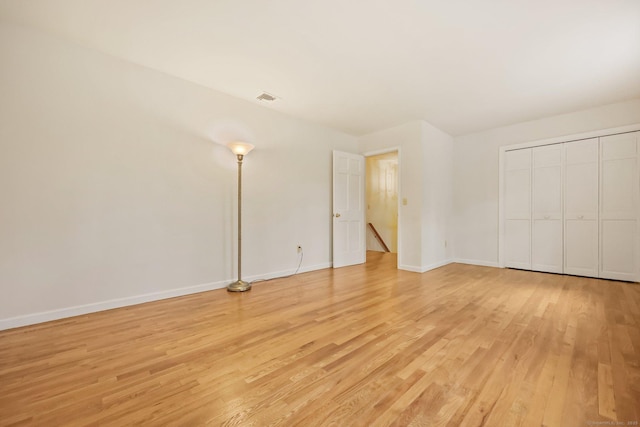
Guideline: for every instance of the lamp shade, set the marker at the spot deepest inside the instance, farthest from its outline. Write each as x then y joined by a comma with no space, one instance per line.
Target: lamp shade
240,148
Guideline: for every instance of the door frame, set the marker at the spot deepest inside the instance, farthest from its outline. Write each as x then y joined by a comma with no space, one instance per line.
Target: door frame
398,150
530,144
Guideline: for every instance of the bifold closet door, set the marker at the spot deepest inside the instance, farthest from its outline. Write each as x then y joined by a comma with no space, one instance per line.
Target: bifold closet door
546,228
517,226
581,208
619,250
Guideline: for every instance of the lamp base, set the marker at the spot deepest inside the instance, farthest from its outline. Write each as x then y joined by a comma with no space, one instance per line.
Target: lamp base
239,286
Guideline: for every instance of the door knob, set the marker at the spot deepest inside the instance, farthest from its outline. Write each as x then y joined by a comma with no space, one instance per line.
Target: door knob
337,215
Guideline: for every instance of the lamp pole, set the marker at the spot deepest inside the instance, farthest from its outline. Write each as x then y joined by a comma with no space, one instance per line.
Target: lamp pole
239,149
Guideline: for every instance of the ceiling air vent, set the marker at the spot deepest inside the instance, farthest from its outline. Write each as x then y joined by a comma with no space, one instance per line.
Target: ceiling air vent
264,96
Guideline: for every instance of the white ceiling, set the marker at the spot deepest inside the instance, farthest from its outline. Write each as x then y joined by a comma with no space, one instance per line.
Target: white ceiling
364,65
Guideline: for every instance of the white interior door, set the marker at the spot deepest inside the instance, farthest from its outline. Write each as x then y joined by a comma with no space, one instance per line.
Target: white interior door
517,209
348,209
581,208
546,229
619,250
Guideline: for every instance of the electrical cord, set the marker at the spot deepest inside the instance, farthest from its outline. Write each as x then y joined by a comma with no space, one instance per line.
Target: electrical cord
282,277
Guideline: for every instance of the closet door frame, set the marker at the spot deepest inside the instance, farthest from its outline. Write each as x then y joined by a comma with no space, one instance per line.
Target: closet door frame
537,143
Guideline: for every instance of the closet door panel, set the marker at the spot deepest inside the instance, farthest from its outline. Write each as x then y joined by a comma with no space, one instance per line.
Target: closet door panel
581,189
518,244
546,251
581,247
546,233
518,194
618,192
581,208
583,151
518,209
619,251
547,191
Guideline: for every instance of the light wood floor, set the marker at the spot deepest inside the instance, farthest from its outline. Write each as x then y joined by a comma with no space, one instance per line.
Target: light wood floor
363,345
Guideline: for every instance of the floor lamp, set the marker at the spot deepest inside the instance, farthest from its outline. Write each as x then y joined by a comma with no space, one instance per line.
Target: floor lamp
240,149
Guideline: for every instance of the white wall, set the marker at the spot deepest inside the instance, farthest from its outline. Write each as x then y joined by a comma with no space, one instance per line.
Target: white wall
408,139
113,192
476,169
437,154
426,183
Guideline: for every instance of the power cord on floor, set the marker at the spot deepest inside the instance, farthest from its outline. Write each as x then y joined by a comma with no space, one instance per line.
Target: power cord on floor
283,277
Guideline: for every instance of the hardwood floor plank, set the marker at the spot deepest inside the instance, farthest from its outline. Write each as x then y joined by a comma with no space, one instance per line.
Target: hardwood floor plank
606,397
361,345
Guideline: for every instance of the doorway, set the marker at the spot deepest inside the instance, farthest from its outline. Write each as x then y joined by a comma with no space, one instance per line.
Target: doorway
381,197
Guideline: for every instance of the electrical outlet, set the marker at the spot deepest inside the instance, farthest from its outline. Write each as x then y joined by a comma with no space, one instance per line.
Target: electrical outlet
299,248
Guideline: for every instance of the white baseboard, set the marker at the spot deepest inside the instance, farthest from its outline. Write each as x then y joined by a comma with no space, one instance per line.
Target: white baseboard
436,265
78,310
411,268
46,316
477,262
285,273
423,269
